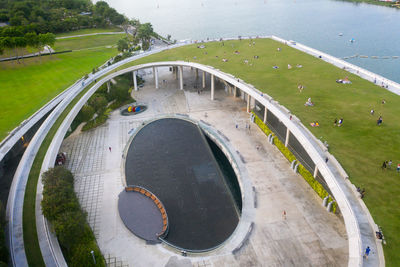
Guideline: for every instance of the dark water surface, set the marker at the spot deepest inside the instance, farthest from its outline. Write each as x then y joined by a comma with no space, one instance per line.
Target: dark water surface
172,159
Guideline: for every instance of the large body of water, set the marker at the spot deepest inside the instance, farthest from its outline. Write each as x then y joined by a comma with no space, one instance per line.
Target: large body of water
316,23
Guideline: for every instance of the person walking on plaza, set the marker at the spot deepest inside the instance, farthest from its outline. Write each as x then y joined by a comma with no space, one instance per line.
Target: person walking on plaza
109,148
367,251
284,214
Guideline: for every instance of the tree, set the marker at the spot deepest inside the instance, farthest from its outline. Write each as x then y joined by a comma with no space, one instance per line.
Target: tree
20,44
31,39
86,113
145,31
123,44
98,102
48,39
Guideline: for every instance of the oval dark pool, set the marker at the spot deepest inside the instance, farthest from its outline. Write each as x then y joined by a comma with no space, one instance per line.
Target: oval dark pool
173,159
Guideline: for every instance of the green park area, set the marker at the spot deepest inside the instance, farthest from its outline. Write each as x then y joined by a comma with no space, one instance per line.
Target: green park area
27,86
89,31
360,145
87,42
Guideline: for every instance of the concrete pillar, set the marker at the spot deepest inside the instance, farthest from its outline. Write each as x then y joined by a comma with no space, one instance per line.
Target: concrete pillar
181,77
135,80
108,86
315,171
265,114
235,91
248,103
204,79
176,73
287,137
197,73
155,73
212,86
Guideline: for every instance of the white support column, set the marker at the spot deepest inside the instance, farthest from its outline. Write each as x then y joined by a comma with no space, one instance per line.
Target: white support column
287,137
265,114
212,86
235,91
108,86
135,80
204,79
315,171
248,103
181,77
155,73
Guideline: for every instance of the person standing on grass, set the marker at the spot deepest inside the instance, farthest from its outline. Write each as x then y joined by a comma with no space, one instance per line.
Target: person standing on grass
398,167
390,164
384,165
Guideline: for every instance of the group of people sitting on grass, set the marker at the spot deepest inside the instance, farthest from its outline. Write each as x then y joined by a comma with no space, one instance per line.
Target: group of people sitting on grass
309,102
344,81
338,123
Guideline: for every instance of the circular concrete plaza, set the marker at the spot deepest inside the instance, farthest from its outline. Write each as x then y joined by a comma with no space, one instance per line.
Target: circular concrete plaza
308,236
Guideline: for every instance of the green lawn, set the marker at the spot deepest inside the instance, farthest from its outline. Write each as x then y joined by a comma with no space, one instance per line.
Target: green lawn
360,145
26,88
88,31
84,42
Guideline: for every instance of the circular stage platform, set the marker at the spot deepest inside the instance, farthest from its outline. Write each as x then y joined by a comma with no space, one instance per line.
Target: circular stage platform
172,158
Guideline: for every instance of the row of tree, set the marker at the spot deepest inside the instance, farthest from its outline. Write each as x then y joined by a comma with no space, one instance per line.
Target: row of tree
59,15
18,38
60,206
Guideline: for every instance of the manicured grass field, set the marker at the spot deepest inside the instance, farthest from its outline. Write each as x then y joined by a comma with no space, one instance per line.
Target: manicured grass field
26,88
360,145
84,42
88,31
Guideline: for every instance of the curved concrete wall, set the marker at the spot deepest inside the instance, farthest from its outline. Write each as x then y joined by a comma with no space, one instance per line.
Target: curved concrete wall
337,185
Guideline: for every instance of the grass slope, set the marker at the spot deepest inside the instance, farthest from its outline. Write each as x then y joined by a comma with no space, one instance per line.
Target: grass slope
85,42
360,145
89,31
25,88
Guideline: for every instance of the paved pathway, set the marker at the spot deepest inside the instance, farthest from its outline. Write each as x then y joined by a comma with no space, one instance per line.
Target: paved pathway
309,236
89,34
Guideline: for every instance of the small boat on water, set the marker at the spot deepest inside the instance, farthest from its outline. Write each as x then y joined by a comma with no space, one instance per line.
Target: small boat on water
352,40
340,34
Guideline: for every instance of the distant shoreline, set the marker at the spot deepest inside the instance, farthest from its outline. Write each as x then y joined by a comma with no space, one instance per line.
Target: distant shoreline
374,2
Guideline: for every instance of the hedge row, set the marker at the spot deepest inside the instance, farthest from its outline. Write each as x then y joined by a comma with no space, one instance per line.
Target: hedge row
61,207
318,188
99,120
